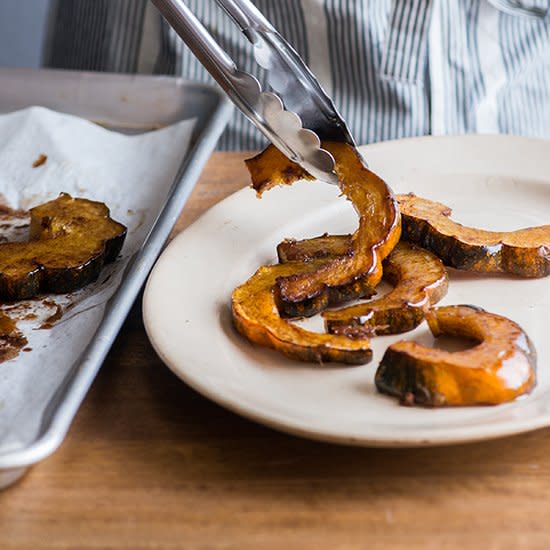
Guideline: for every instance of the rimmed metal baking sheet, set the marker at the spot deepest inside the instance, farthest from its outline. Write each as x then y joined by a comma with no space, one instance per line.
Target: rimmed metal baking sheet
129,104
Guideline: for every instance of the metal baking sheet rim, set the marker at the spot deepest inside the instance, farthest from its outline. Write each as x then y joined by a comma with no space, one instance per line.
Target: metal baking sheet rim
69,396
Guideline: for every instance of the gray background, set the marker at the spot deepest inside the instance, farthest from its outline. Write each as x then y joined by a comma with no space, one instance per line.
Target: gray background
22,32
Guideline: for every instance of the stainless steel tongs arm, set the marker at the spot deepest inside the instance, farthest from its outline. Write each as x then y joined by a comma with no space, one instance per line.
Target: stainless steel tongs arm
200,41
275,54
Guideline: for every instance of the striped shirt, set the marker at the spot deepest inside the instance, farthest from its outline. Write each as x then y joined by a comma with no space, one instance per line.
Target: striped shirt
395,68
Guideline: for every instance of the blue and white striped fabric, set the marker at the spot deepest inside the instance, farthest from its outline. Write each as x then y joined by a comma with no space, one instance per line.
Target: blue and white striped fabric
398,68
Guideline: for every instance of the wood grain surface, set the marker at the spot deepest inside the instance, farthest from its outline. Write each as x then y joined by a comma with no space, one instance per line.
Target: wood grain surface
149,463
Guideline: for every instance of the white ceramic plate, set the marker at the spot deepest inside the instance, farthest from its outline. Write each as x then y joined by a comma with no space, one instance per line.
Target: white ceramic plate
495,182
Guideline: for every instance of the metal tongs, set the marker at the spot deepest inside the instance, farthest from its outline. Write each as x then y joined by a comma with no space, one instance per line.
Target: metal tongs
296,113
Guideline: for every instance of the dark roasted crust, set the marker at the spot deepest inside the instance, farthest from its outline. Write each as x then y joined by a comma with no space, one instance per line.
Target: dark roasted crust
401,376
58,281
333,296
114,246
525,253
51,281
70,242
311,354
450,249
501,367
382,322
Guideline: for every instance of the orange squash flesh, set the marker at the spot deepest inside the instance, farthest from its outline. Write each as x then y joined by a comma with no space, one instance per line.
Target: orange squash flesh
525,252
256,317
378,233
271,168
497,370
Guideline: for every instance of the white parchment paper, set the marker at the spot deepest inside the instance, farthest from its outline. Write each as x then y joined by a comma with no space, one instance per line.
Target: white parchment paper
132,175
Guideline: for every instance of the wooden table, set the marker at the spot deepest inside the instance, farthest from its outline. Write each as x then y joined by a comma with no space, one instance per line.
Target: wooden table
148,463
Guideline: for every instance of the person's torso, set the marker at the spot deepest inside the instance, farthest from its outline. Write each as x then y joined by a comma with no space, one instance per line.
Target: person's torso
396,68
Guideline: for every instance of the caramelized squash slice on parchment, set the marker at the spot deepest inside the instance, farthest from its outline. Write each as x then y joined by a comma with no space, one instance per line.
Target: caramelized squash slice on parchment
70,241
301,287
419,279
501,367
525,252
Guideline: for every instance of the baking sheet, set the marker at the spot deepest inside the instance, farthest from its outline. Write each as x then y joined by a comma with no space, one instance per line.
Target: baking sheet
135,176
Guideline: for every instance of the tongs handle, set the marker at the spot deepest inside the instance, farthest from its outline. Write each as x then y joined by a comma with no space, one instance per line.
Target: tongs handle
241,87
247,17
199,40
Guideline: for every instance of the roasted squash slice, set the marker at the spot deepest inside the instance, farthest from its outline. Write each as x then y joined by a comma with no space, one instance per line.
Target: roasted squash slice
378,233
498,369
256,317
420,280
525,252
70,241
